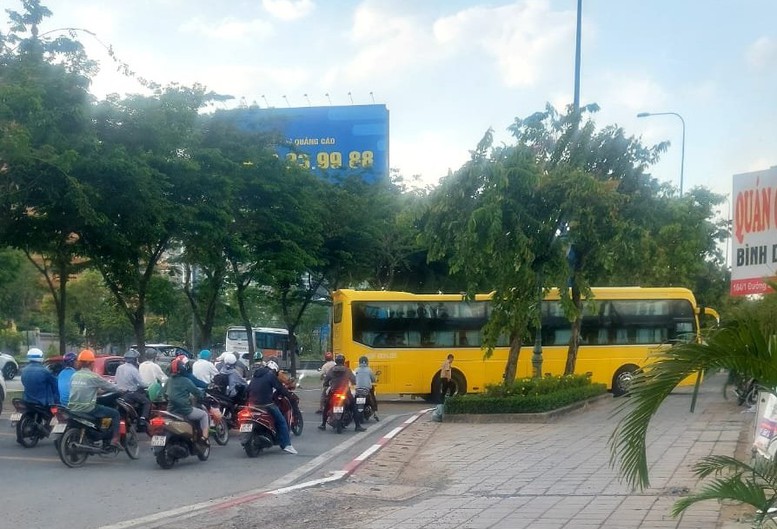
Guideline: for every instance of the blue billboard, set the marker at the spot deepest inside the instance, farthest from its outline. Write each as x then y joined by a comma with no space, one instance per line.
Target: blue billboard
328,140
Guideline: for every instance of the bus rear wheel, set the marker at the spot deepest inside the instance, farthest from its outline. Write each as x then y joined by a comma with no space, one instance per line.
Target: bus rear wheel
458,382
621,380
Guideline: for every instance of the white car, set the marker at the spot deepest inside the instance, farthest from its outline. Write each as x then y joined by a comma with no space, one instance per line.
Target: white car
8,366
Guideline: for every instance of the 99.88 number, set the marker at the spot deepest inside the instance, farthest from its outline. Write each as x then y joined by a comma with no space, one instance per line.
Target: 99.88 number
333,160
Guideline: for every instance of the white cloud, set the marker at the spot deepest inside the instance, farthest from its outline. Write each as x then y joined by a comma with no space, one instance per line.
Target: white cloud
523,37
634,92
229,28
288,9
762,53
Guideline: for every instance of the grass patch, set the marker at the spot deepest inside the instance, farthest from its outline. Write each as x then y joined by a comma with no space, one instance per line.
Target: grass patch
527,395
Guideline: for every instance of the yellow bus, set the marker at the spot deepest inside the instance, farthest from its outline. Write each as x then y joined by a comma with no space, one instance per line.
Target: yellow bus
407,336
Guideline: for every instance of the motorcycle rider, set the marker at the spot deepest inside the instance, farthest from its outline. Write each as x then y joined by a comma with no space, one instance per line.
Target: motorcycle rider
40,386
178,390
339,378
260,393
150,371
235,383
63,379
203,369
83,394
128,380
329,363
365,379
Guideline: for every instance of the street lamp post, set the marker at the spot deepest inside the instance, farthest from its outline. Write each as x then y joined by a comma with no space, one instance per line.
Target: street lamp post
682,147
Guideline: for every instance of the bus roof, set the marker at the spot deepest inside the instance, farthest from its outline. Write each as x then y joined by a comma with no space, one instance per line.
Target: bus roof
276,330
598,293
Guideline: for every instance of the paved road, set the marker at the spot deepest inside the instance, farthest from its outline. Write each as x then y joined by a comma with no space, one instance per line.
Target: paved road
36,485
506,476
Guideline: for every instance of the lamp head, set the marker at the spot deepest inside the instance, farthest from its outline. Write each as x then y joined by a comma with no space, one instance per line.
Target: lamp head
643,114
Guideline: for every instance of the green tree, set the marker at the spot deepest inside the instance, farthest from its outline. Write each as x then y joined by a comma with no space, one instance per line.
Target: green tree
44,121
144,157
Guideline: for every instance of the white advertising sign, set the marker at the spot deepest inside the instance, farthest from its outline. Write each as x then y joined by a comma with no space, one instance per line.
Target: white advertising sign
754,246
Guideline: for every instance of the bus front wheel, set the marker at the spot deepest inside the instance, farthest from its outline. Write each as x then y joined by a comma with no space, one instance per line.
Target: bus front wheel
621,380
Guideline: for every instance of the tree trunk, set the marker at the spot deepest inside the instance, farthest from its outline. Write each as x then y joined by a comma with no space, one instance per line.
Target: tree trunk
574,339
241,305
511,368
61,305
139,327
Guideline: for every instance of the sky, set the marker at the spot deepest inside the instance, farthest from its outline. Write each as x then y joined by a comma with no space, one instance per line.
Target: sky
448,70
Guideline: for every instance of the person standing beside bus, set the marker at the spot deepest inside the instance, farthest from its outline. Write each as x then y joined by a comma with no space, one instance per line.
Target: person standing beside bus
446,386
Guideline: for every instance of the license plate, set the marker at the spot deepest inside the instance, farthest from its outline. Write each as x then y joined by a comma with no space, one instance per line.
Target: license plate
158,440
337,409
59,428
247,427
361,400
16,417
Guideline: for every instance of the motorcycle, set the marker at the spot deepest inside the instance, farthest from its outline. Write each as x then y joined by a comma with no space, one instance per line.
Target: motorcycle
82,435
364,404
340,414
33,422
174,437
257,427
223,413
744,389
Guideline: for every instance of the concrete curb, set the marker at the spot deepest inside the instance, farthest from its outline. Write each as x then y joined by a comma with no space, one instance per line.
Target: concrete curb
546,417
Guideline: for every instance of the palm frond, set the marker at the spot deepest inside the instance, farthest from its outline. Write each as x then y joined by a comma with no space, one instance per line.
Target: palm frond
740,345
731,488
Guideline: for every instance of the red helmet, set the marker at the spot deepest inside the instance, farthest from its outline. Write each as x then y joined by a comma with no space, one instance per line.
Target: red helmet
328,356
179,365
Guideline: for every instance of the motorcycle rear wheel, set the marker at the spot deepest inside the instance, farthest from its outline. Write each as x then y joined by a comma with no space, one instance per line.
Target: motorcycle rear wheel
27,429
68,452
131,443
164,459
297,424
339,426
252,447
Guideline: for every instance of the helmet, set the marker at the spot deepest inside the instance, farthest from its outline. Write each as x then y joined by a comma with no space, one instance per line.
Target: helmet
258,356
151,354
204,354
230,359
131,355
69,359
35,355
363,361
86,355
272,365
328,356
180,365
339,359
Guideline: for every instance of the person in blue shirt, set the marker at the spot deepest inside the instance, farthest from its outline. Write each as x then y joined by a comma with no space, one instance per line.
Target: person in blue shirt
40,385
63,379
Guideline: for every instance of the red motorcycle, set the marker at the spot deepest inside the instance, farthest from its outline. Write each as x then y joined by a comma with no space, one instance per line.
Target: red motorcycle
256,424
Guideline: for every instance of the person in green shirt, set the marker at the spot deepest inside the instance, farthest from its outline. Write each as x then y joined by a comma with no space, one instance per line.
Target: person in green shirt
84,386
179,389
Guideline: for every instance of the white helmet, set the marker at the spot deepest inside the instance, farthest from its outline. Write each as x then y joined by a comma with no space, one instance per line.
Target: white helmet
230,359
272,365
35,355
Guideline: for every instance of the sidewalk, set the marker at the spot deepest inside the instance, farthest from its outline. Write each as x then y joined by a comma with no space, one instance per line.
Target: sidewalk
513,476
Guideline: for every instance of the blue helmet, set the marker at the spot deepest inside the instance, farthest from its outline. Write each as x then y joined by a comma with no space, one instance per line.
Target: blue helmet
204,354
69,359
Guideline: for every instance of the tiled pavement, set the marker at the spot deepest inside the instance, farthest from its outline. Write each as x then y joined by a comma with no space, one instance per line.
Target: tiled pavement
558,475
